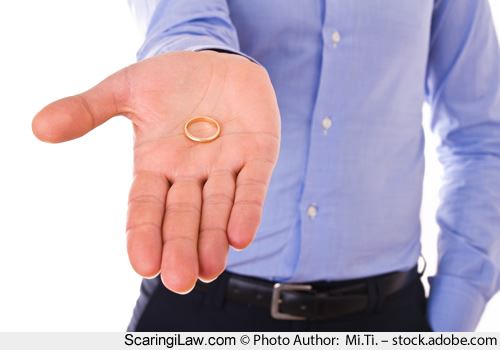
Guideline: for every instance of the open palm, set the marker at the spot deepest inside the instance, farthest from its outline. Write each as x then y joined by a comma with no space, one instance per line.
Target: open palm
189,201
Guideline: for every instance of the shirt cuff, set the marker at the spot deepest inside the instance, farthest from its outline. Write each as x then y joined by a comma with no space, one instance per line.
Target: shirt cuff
222,49
454,305
192,44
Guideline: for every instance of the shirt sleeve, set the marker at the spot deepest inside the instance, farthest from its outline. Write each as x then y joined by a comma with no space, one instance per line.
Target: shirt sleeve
185,25
463,89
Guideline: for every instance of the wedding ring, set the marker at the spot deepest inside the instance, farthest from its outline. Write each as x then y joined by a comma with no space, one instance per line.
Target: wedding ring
205,119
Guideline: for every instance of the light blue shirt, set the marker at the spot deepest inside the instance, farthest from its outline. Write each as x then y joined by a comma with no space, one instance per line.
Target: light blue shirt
351,78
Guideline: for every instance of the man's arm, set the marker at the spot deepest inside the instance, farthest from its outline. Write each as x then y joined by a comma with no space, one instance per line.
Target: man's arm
464,90
185,25
189,201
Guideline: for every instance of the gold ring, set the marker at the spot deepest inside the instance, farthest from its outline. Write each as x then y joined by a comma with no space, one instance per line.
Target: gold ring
202,119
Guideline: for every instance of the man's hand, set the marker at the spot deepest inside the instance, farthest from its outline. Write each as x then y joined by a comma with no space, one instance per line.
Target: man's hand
189,201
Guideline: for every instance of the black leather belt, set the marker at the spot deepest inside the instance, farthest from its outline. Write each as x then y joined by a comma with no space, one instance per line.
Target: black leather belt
317,300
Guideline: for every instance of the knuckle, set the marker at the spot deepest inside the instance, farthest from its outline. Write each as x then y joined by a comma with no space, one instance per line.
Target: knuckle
145,199
182,207
212,229
133,228
248,203
218,199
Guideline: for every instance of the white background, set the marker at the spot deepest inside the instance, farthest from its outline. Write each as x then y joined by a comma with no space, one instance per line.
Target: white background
63,262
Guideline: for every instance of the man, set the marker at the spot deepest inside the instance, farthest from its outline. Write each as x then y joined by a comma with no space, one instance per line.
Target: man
339,233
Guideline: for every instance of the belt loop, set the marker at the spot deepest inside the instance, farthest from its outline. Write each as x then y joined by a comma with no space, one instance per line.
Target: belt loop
214,296
380,294
373,294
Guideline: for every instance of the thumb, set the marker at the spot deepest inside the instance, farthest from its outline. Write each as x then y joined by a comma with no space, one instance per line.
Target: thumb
74,116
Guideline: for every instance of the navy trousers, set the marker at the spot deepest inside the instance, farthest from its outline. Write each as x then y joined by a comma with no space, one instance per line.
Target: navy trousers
159,309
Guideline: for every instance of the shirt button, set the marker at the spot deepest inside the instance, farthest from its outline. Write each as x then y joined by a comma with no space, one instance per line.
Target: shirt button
312,211
336,38
326,123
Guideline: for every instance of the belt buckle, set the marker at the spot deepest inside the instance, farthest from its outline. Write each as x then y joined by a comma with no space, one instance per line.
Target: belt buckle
276,299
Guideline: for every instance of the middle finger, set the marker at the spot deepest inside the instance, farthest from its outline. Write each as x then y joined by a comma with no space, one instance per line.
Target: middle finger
179,270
